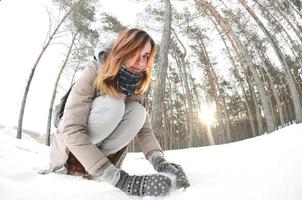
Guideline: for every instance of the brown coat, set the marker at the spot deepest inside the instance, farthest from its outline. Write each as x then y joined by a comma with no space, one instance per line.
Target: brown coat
71,134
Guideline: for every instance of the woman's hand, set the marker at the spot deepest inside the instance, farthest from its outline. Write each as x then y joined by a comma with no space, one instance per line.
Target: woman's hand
163,166
146,185
143,185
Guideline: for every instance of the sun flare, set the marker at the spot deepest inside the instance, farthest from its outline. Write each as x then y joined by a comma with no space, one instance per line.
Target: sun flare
207,113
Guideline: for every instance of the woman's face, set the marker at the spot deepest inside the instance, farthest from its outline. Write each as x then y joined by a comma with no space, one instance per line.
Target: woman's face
139,62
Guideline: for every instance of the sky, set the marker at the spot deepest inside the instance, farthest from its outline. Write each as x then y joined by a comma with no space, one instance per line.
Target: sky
266,167
24,25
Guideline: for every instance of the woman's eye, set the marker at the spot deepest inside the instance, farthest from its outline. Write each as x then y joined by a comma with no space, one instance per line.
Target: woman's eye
146,57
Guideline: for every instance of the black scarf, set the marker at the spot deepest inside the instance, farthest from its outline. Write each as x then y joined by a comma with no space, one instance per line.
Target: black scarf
128,81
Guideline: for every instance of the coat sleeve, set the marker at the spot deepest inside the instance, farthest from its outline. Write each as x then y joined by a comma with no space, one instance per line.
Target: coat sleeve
146,138
74,123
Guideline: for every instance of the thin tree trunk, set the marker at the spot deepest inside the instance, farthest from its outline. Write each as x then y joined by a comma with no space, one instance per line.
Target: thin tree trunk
289,108
172,130
258,114
241,85
181,75
227,119
262,60
73,75
250,115
184,75
286,19
257,108
165,129
293,46
286,117
228,30
281,57
266,102
48,130
159,89
214,85
274,89
21,114
294,8
246,102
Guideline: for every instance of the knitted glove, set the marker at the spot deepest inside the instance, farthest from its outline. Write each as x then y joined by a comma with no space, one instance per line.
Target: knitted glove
161,165
147,185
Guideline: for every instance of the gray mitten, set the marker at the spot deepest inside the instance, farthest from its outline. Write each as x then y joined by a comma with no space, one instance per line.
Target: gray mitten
147,185
161,165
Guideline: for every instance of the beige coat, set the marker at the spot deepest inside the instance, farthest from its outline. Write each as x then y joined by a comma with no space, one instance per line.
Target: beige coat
71,134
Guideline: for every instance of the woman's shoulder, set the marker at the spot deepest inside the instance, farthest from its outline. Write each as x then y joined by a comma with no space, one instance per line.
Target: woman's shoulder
93,65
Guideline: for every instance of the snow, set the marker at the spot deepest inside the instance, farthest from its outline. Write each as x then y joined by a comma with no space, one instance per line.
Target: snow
267,167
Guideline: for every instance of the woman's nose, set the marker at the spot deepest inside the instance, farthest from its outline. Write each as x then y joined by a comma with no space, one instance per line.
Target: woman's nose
140,62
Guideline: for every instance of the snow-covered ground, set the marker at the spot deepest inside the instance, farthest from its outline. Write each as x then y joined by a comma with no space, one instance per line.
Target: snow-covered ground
267,167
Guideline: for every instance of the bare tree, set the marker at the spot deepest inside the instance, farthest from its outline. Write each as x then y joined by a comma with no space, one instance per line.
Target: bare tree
281,57
252,37
47,42
180,59
78,24
284,16
54,92
236,43
159,88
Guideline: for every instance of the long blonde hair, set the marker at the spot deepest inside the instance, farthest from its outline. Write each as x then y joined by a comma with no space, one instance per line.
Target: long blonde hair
127,45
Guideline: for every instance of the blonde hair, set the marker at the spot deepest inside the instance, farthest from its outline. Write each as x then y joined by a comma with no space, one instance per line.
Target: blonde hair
128,45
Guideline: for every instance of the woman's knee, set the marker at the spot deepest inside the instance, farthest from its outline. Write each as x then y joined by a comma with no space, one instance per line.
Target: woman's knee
106,110
136,111
108,106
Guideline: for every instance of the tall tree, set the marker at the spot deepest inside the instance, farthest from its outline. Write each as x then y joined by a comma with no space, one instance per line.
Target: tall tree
237,44
161,73
46,44
79,23
285,17
182,64
289,77
112,24
212,77
55,89
255,42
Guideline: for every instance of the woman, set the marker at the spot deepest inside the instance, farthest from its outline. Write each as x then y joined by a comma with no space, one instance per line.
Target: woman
103,115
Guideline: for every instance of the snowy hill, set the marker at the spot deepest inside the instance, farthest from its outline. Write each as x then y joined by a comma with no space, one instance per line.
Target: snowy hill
263,168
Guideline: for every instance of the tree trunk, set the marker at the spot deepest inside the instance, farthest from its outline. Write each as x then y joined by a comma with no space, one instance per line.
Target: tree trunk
48,130
262,60
294,8
289,78
266,102
246,102
226,118
241,86
171,120
257,108
293,44
181,75
74,73
21,114
286,19
159,89
250,114
214,84
180,59
228,30
273,88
